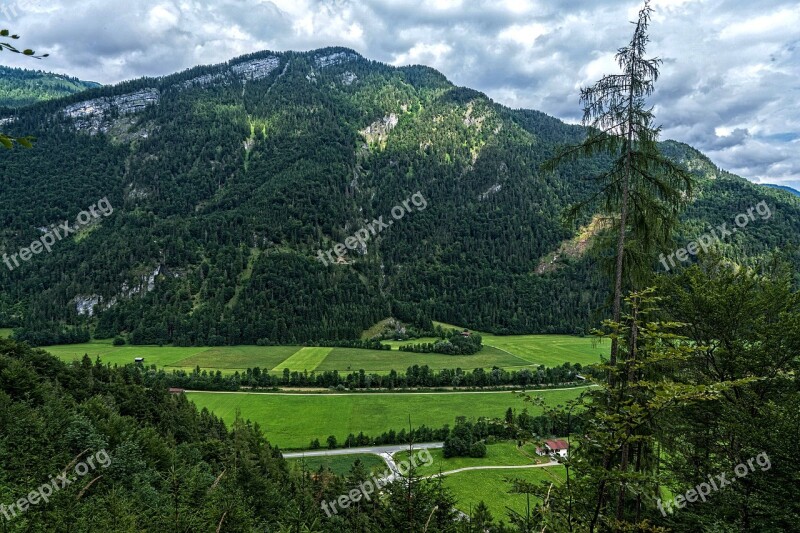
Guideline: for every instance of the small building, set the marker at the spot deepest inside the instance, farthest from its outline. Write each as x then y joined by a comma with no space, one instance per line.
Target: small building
554,448
176,390
139,360
466,333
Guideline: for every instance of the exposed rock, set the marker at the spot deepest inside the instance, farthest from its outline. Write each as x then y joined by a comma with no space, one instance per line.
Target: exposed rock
470,120
494,189
348,78
334,59
257,68
378,131
201,81
92,115
85,305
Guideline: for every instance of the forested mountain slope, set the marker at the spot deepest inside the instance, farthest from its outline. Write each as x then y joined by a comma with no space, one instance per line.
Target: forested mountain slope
21,87
226,180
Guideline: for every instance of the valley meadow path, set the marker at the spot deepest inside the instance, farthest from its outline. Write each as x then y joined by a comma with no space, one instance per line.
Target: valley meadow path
387,454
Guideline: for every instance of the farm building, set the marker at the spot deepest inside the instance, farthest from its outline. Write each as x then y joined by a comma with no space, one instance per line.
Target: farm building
555,447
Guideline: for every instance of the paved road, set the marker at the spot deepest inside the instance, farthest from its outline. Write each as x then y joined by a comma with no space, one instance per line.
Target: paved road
376,450
384,452
528,391
542,465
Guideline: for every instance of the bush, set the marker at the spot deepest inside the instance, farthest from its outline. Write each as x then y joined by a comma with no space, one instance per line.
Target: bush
118,341
478,449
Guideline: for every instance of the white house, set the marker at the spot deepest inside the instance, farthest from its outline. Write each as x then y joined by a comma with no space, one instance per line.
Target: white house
556,447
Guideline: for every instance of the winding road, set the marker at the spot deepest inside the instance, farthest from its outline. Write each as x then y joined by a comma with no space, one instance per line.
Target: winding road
387,454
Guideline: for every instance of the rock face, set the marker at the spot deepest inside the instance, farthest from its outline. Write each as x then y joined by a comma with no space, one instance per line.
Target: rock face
84,305
494,189
334,59
257,68
201,81
348,78
91,115
378,131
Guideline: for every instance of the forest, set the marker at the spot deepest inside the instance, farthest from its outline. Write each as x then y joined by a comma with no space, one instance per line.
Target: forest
224,192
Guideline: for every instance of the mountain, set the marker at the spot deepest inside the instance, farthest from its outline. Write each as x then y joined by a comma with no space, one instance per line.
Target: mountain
229,182
783,188
20,87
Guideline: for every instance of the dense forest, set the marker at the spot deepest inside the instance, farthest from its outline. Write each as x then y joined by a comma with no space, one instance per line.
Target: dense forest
20,87
226,182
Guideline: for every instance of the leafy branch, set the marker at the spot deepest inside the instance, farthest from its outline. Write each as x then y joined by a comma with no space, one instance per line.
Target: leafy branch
6,140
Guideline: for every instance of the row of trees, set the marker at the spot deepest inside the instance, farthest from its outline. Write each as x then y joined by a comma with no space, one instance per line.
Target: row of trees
453,343
459,440
415,376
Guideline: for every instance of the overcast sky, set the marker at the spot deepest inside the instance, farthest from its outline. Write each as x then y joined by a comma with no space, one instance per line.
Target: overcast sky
730,81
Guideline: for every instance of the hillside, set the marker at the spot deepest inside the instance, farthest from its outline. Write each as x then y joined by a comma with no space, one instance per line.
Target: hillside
226,181
20,87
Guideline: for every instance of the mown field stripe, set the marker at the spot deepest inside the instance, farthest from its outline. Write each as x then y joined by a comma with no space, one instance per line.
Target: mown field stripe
304,359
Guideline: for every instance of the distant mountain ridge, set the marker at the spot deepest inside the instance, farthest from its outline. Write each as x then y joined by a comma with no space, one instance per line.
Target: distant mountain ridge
783,188
21,87
226,180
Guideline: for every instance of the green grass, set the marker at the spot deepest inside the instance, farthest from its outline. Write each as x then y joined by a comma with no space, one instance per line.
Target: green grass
547,350
491,486
513,352
294,420
5,333
422,340
352,359
122,355
304,359
239,357
340,464
499,454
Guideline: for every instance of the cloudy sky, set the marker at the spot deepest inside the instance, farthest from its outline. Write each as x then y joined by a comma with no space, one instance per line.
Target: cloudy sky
730,82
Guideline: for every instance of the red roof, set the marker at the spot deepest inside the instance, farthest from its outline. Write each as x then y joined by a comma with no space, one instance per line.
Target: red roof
557,444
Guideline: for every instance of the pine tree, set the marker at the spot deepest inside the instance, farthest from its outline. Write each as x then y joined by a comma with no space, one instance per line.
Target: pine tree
642,192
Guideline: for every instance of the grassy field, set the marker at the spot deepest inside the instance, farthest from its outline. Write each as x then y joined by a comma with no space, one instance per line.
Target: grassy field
340,464
5,333
511,352
351,359
292,421
499,454
240,357
122,355
492,487
304,359
547,350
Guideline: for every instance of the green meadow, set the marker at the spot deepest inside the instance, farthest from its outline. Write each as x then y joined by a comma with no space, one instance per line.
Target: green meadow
511,353
292,421
340,464
504,453
304,359
494,488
